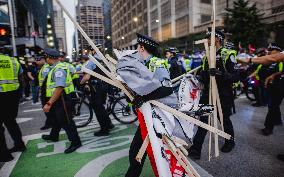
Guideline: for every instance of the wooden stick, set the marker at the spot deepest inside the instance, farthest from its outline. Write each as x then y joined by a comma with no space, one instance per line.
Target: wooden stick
143,149
192,169
84,34
190,119
183,161
112,60
202,41
181,76
179,159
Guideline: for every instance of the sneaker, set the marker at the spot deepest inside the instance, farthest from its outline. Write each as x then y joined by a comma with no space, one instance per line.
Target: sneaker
73,147
102,133
194,154
6,157
280,157
21,148
266,131
228,146
49,138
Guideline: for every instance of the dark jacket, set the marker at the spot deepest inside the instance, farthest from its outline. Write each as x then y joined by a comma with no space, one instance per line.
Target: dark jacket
224,81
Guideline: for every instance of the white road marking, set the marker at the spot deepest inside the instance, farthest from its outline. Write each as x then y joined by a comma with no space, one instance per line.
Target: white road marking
32,110
95,167
21,120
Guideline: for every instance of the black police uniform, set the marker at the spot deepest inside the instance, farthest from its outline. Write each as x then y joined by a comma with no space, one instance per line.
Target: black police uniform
9,103
224,84
98,99
275,93
61,115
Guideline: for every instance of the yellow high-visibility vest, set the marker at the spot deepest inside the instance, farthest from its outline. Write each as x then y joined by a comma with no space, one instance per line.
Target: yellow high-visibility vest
50,84
9,73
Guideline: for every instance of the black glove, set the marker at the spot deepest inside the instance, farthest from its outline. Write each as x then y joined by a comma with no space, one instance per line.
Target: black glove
138,101
214,72
160,92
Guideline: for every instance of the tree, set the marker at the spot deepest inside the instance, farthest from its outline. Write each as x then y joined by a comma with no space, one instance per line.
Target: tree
243,22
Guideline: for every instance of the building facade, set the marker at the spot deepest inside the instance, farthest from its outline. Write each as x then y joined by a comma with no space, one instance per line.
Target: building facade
128,17
91,19
59,27
165,19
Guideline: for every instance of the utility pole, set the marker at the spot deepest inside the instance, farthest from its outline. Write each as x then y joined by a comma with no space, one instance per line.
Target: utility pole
12,27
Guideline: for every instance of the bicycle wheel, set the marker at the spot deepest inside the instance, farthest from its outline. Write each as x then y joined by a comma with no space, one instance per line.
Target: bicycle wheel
123,112
83,113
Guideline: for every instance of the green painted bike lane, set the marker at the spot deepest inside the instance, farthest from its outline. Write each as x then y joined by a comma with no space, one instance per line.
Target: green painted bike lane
46,159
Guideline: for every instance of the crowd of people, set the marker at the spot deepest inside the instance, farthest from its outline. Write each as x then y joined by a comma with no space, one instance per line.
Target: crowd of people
51,78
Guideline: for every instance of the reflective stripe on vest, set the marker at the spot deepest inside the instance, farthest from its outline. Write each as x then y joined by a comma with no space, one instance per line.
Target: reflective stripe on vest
157,63
280,69
225,53
9,72
50,85
40,77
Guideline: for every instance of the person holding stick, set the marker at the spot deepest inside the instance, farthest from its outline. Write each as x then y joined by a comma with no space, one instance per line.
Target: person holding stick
147,86
59,87
226,75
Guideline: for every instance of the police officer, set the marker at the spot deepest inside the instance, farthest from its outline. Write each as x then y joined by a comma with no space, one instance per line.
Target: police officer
147,49
10,71
187,62
196,59
175,64
98,96
59,86
225,75
43,72
275,92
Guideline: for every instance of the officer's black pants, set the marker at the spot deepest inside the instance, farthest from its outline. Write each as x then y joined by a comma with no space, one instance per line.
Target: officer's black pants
276,94
135,168
9,103
48,121
63,119
201,132
98,100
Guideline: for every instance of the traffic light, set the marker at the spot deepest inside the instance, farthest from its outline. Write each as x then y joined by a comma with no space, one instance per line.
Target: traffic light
4,34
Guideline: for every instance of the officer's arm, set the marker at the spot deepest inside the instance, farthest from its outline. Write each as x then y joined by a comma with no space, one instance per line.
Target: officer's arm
56,94
271,78
268,59
85,78
231,75
30,76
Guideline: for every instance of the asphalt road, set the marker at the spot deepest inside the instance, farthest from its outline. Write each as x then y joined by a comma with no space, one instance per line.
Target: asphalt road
254,154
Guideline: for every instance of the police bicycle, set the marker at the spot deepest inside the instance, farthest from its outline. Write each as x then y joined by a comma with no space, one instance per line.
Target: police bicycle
117,105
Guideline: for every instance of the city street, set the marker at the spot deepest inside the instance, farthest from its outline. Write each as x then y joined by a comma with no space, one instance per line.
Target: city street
254,154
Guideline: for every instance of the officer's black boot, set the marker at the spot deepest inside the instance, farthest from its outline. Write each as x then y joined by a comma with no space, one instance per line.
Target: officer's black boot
49,138
102,132
228,146
6,157
18,148
267,131
73,147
